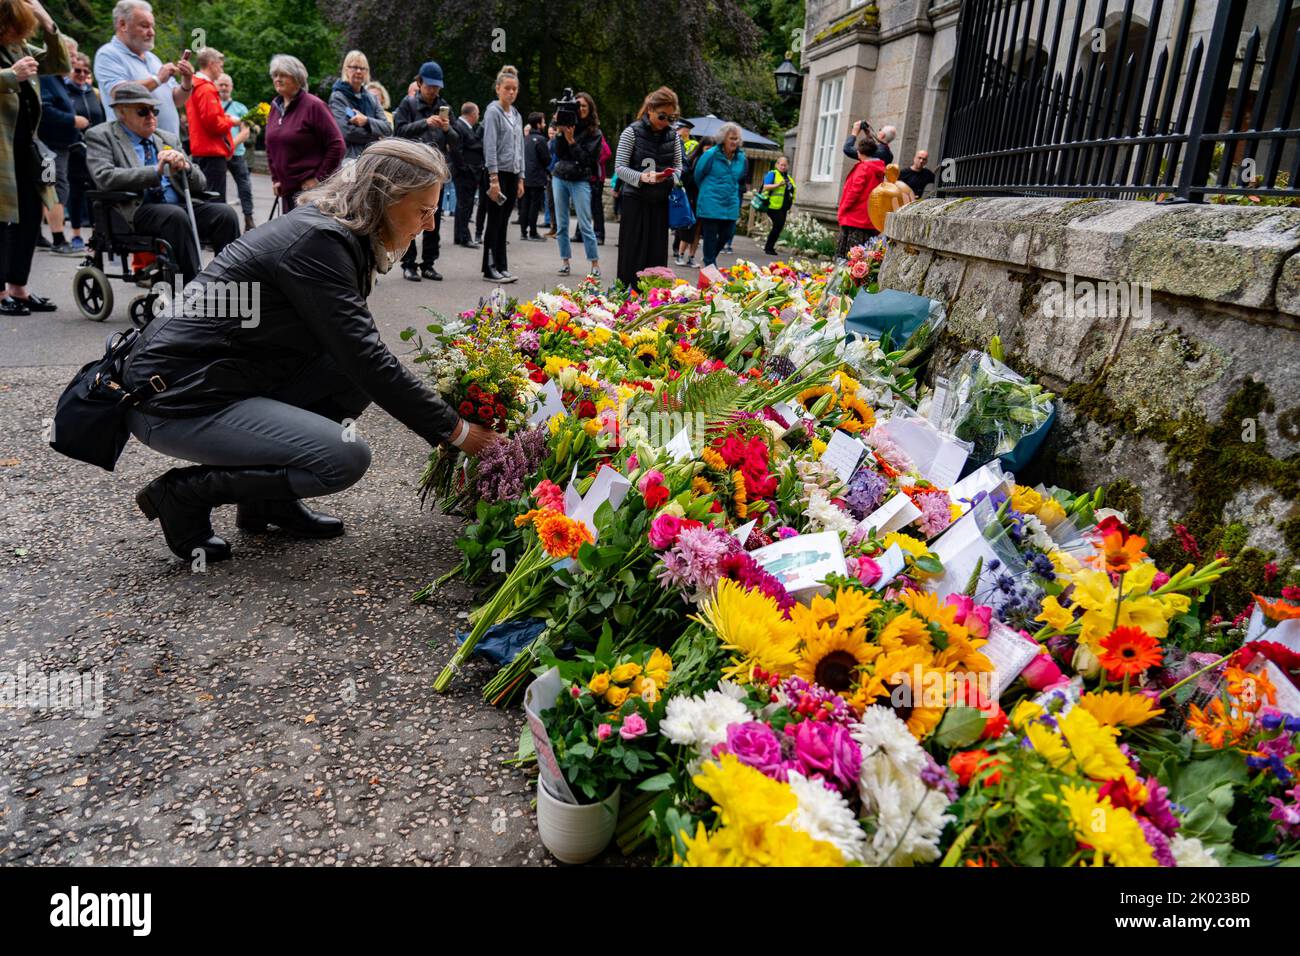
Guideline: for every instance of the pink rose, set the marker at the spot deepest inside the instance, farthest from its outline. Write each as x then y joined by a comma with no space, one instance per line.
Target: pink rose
649,480
859,269
633,727
603,731
549,495
974,617
664,531
865,570
1159,581
1042,672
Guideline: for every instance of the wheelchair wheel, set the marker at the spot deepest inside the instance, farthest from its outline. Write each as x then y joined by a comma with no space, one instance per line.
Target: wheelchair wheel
144,309
93,293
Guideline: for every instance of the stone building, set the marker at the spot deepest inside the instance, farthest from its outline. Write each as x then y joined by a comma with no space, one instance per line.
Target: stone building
891,62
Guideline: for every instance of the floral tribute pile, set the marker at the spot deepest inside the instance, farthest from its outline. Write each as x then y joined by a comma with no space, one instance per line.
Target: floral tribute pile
799,624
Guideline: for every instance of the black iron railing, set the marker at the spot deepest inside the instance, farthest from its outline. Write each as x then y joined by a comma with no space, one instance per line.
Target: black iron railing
1153,99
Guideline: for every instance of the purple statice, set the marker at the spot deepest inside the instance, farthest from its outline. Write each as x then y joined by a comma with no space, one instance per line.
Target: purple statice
865,491
936,514
740,567
1158,842
938,777
504,467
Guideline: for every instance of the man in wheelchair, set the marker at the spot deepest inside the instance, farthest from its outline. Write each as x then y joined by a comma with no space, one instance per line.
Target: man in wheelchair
132,154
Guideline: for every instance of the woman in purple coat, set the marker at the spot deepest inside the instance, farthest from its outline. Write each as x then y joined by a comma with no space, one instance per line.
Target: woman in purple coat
303,143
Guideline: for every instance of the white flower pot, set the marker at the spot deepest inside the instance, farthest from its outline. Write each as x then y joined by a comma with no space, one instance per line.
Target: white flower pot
576,833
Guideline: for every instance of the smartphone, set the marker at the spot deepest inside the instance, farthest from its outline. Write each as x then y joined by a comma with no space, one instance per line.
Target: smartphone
444,111
186,55
501,198
351,112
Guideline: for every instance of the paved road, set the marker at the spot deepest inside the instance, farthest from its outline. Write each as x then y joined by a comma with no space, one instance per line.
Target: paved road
271,709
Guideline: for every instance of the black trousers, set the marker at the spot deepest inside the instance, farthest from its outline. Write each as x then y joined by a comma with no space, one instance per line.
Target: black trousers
642,237
483,203
466,192
598,209
18,239
214,171
778,223
498,223
530,207
429,240
218,225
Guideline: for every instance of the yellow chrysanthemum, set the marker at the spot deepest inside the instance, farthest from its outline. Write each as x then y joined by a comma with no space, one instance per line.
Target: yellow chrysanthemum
1093,746
600,335
1048,744
818,446
750,624
1112,831
688,357
1120,710
910,545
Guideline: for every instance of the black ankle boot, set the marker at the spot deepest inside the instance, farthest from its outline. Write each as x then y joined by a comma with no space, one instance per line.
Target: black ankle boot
176,500
291,516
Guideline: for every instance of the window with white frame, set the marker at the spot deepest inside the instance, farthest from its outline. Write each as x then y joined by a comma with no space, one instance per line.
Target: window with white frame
830,106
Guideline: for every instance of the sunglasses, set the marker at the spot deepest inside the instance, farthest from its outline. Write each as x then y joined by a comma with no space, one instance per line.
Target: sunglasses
143,111
665,117
81,69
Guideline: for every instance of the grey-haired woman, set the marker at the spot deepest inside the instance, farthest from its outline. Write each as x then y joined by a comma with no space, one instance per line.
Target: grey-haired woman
303,143
261,371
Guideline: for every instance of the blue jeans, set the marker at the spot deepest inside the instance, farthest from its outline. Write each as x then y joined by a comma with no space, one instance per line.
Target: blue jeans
580,193
717,233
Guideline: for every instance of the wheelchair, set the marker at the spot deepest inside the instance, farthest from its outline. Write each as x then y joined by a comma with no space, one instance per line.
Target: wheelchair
145,261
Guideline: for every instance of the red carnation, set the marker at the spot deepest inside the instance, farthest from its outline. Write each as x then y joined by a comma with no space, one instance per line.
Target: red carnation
485,412
466,409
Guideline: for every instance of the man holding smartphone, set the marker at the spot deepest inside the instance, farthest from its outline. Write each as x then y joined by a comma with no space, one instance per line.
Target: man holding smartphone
129,56
426,116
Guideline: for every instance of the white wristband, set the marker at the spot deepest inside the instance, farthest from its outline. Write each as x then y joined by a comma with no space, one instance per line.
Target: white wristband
459,433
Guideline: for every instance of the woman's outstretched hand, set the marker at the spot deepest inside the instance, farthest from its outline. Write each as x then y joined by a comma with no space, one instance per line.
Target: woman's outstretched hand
477,438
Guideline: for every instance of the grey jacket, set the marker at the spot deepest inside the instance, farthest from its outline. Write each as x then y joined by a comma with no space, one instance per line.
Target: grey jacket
113,164
503,140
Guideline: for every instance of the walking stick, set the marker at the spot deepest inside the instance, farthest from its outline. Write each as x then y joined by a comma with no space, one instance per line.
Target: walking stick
194,225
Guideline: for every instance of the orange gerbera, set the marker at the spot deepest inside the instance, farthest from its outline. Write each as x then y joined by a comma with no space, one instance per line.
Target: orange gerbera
1120,553
1128,652
1278,610
561,536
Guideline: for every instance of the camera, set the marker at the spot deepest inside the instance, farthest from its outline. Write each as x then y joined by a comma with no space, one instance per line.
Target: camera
566,108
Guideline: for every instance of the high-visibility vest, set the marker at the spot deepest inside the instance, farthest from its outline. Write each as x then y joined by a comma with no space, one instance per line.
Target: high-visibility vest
689,145
777,195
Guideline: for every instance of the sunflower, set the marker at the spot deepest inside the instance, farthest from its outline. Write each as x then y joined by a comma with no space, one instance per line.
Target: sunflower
646,352
1120,710
810,396
738,496
894,686
750,624
713,460
834,659
861,417
1128,652
905,629
701,486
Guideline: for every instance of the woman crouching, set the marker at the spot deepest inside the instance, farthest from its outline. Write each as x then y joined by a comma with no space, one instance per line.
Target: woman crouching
260,373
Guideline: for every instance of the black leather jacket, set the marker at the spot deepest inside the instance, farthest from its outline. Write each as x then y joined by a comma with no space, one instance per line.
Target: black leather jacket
309,276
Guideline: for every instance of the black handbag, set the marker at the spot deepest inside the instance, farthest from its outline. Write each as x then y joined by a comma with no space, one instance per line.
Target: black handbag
90,419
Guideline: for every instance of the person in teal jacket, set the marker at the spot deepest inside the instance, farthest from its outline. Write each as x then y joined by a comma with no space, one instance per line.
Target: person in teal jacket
718,174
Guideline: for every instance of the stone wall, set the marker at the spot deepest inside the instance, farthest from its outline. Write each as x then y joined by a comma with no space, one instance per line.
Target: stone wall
1185,405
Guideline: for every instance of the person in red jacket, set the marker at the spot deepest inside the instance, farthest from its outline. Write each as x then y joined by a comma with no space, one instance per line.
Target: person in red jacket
303,142
855,223
211,134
